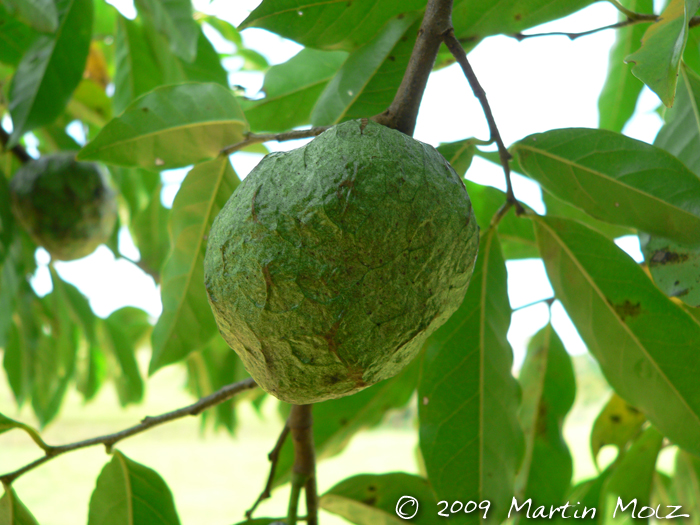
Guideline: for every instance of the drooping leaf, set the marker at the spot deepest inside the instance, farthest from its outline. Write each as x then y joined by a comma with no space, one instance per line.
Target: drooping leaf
174,19
618,97
40,15
334,25
212,368
15,38
123,330
475,19
680,134
632,479
187,323
149,229
658,61
170,127
367,81
336,421
51,69
129,492
636,333
616,179
617,424
136,69
674,267
369,499
470,437
291,90
549,388
13,511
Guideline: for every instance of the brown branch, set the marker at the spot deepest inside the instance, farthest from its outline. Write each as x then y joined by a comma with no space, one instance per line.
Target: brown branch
403,111
573,36
304,469
273,456
109,440
18,150
253,138
458,52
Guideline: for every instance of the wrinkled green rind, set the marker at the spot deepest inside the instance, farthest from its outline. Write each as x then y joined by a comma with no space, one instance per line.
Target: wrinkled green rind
331,264
67,207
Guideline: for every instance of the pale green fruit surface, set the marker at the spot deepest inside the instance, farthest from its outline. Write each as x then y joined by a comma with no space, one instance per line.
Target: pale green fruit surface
331,264
66,206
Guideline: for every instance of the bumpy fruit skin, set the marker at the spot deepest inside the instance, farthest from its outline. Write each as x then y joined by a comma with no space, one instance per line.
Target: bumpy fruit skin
66,206
331,264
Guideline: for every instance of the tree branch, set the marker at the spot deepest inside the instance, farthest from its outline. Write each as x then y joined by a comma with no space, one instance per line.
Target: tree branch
403,111
273,456
253,138
18,150
304,469
458,52
109,440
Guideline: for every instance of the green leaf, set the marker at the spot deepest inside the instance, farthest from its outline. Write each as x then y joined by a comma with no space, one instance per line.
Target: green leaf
680,135
558,208
13,511
149,229
15,38
336,421
632,479
636,333
515,234
616,179
291,90
187,323
549,388
40,15
618,98
173,18
586,494
370,499
658,61
476,19
334,25
170,127
130,493
7,424
686,482
617,424
136,69
674,267
470,437
212,368
206,66
366,83
459,154
123,330
51,69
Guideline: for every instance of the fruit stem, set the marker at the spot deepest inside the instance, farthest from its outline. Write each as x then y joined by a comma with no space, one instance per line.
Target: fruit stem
403,111
304,469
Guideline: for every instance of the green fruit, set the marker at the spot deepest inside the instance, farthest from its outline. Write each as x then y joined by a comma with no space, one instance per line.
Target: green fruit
66,206
331,264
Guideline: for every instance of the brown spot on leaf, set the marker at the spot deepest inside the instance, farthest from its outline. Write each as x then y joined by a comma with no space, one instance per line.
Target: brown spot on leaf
518,17
666,256
370,501
615,418
627,309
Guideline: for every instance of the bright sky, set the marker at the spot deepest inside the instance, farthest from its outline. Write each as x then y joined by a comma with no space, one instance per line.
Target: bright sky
532,86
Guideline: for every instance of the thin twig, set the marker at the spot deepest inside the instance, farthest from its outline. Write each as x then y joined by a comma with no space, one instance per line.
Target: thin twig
17,150
109,440
273,456
458,52
573,36
253,138
304,469
403,111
